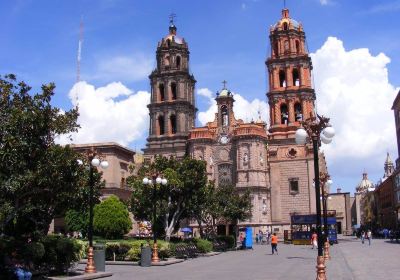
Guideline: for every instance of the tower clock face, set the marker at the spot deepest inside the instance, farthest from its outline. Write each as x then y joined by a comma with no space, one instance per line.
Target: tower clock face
224,139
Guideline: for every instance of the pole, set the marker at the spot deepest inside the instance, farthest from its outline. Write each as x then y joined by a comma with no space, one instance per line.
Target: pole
154,257
320,259
90,266
325,212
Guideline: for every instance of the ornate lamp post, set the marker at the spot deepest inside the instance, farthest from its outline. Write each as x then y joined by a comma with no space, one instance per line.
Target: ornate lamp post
325,182
317,129
156,179
94,162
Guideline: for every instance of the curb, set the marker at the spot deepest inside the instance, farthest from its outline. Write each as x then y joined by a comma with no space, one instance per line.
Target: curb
84,276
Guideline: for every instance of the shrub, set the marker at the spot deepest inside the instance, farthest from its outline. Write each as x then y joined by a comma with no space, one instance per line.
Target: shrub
76,221
228,239
84,248
60,253
34,251
112,251
204,246
111,218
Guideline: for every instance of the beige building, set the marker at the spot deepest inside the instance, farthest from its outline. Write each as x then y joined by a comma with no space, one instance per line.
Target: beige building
341,203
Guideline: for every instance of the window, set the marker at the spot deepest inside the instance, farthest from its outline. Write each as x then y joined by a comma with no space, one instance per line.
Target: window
173,91
297,46
295,76
286,46
276,49
178,62
225,116
161,92
284,114
282,78
285,26
160,125
172,121
298,112
294,185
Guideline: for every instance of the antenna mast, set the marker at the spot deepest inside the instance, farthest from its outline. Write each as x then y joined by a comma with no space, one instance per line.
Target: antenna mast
78,64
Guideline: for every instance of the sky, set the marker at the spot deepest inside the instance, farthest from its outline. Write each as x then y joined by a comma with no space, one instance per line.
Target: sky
354,47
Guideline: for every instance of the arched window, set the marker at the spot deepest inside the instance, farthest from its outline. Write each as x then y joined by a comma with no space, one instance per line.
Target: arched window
166,60
284,114
286,46
161,92
295,77
160,125
173,90
225,116
298,112
169,43
282,78
276,49
297,46
172,123
178,62
285,26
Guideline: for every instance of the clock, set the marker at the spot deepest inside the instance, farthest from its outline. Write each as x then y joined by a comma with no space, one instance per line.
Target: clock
224,139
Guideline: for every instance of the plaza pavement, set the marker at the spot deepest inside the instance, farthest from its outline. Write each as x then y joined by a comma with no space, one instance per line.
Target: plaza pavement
350,260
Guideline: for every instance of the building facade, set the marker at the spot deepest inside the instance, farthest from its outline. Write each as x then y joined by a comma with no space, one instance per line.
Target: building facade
278,173
341,203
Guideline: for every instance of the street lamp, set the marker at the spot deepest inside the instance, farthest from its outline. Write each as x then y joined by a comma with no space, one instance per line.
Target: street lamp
94,163
325,182
316,129
156,179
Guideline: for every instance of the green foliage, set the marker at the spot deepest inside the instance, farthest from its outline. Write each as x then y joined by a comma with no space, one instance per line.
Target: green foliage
203,245
84,246
60,252
228,239
111,218
38,179
34,251
186,179
77,221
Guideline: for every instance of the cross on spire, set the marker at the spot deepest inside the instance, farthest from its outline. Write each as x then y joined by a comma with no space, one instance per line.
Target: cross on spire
224,83
171,18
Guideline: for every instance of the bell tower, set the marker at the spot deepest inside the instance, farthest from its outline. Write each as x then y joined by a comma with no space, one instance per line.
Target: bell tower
172,105
290,96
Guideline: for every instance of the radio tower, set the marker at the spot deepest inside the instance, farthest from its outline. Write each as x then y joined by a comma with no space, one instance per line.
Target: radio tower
78,65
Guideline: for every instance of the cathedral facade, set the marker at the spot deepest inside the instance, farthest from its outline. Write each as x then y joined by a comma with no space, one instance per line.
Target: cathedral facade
266,161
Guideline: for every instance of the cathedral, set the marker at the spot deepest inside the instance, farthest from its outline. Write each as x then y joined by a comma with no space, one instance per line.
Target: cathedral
250,155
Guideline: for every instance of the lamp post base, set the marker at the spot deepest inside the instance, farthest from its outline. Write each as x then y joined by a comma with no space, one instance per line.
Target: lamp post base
321,275
154,257
327,256
90,267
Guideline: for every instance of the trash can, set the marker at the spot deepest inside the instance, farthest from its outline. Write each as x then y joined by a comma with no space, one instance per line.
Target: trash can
99,256
145,256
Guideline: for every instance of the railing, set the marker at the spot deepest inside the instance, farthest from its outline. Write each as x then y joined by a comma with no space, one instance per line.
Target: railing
200,134
250,131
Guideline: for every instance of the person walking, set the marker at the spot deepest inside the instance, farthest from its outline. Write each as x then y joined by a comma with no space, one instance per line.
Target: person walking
274,244
314,240
369,236
362,236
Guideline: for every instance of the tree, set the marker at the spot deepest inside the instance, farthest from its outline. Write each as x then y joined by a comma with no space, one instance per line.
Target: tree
38,178
111,218
186,179
222,204
77,221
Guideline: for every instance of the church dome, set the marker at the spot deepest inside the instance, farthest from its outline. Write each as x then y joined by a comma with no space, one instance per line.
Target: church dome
224,92
286,22
365,185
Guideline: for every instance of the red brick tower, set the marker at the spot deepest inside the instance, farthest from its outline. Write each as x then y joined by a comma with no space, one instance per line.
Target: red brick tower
291,96
172,106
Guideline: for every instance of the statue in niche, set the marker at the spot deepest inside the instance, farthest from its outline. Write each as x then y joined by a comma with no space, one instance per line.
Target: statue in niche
261,159
211,161
245,159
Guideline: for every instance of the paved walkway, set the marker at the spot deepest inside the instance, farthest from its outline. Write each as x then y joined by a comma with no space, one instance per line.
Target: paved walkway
350,260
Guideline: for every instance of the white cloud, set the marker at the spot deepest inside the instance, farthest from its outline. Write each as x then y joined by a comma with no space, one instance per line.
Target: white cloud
110,113
242,108
132,67
324,2
354,90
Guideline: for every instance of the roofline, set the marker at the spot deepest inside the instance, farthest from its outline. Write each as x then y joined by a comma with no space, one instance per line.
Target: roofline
103,145
396,100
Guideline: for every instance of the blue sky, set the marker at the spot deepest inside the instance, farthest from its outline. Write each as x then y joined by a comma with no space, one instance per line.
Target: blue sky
227,40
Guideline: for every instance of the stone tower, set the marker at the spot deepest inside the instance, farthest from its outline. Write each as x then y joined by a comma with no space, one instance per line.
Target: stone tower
389,167
172,106
291,96
291,99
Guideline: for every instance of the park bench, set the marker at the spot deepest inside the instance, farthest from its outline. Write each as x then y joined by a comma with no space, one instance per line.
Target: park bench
181,252
192,250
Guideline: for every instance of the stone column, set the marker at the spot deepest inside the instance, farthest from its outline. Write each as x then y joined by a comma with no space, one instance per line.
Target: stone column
291,111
